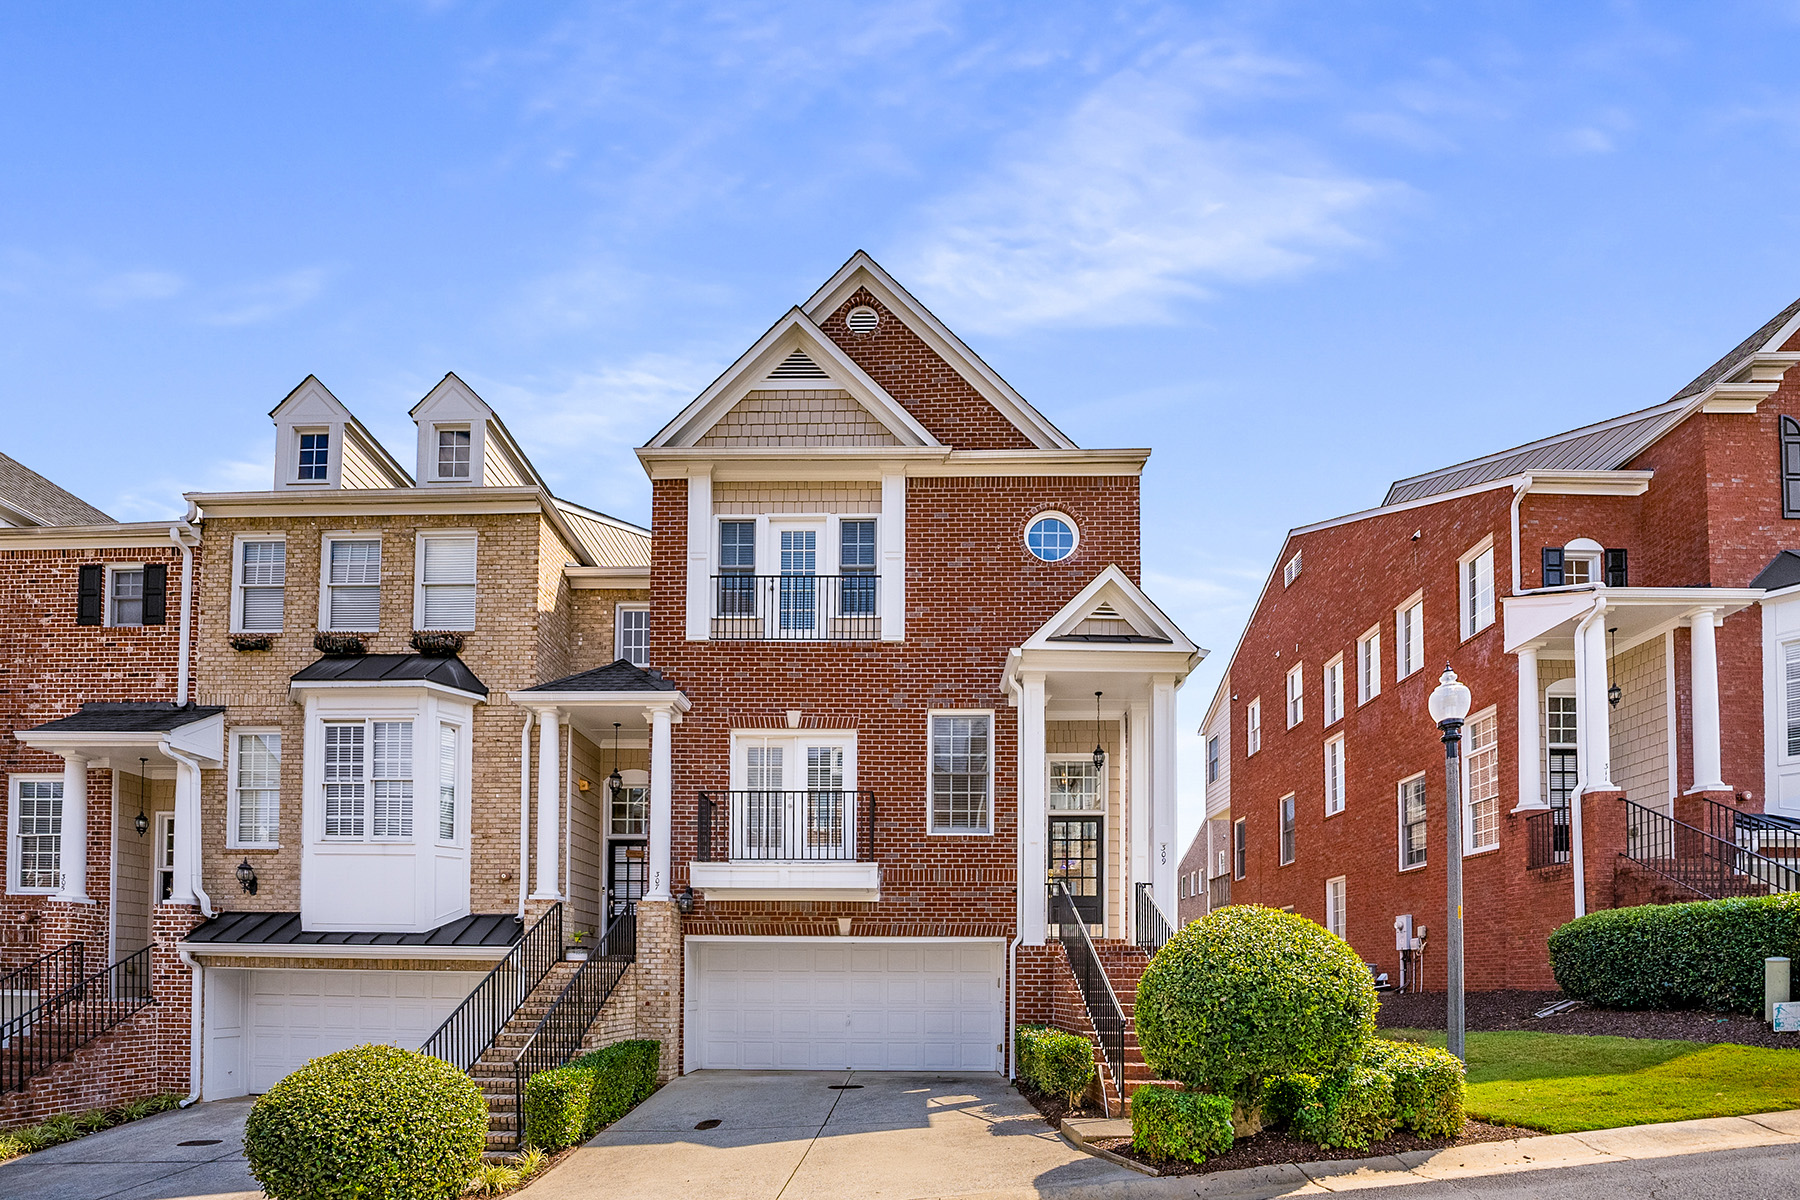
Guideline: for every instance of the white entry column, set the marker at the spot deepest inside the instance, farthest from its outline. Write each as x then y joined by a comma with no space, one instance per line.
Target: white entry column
186,863
662,803
1593,714
1704,669
1034,861
1531,781
1164,853
549,806
74,831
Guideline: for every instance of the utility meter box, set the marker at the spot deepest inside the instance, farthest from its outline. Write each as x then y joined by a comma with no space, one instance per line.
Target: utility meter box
1403,934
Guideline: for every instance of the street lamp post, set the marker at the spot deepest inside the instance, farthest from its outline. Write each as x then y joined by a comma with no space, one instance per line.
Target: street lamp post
1449,705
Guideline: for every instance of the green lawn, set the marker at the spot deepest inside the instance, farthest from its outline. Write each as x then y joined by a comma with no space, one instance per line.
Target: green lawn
1564,1084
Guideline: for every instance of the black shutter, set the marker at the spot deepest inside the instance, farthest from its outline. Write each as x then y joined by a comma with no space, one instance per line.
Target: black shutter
88,593
156,593
1553,566
1615,568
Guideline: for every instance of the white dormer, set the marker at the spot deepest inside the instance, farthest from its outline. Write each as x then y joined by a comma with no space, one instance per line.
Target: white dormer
320,444
463,444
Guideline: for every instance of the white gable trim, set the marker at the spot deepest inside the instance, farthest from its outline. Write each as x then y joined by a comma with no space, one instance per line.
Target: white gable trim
749,373
863,271
312,406
453,402
1112,586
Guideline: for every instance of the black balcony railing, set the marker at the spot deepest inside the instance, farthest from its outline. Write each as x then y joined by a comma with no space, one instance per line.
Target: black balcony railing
1153,932
768,826
796,608
468,1032
1708,866
1103,1008
62,1022
1547,839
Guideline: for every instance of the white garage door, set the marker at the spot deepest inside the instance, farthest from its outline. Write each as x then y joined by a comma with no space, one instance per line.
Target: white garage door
292,1016
803,1006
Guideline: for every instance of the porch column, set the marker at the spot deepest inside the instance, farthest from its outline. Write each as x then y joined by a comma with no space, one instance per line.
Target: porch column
187,832
1593,715
1531,782
1704,664
1034,861
1138,808
74,831
1164,852
549,806
662,804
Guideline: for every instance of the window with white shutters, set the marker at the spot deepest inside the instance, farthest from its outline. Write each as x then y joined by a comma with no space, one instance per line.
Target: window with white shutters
262,585
446,582
353,584
256,788
961,778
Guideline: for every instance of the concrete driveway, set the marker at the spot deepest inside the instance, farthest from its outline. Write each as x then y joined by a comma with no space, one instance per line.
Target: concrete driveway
144,1160
801,1135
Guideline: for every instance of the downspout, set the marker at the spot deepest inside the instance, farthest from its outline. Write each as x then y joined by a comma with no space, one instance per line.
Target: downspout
525,806
1577,853
187,608
194,1059
1519,490
1012,1007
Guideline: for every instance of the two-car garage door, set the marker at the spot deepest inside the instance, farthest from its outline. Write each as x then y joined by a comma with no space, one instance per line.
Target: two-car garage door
830,1005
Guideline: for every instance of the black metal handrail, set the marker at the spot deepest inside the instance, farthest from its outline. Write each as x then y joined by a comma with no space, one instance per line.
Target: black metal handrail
1103,1008
558,1034
1153,929
1755,832
817,825
467,1033
59,1025
45,976
1709,866
1547,839
796,608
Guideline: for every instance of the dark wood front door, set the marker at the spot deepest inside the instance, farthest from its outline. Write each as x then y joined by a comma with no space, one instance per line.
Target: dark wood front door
1075,859
624,876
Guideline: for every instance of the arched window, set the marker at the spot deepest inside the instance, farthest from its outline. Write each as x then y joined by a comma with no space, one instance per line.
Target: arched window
1790,467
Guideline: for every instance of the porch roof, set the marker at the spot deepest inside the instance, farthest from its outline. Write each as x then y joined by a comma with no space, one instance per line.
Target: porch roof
239,929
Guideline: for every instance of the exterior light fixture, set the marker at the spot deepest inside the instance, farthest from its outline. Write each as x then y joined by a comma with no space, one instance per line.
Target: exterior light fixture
141,823
1099,750
1449,706
615,781
1615,693
684,900
246,876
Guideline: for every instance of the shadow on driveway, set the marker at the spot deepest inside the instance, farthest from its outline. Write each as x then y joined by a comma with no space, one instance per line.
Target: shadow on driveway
144,1160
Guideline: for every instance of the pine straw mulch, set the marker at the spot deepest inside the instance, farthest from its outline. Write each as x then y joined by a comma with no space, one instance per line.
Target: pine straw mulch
1496,1012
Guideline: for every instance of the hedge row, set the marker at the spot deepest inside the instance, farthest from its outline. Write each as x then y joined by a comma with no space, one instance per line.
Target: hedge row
1054,1063
1188,1126
566,1105
1394,1085
1706,954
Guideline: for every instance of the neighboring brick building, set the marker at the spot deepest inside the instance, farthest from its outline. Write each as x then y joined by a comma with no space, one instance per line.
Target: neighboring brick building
1642,568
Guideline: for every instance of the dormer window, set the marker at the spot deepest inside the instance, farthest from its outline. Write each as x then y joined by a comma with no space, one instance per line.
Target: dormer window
454,453
315,457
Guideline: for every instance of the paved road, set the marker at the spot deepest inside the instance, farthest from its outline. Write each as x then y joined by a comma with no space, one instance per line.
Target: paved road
1762,1173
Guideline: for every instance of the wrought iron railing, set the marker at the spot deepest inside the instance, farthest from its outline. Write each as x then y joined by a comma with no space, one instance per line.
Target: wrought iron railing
771,826
558,1035
62,1023
1709,866
1771,836
47,975
1153,931
1103,1008
468,1032
1218,892
798,608
1547,839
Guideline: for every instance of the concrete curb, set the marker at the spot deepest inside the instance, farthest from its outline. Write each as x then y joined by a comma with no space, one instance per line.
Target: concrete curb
1458,1162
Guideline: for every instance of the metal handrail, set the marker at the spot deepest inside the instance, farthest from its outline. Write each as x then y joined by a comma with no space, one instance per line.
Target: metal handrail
796,608
1751,831
48,974
763,825
56,1027
558,1034
1705,864
467,1033
1153,926
1104,1011
1547,839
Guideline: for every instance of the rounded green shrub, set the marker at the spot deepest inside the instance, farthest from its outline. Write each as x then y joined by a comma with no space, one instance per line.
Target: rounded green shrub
1186,1126
1430,1086
371,1122
1248,993
1055,1063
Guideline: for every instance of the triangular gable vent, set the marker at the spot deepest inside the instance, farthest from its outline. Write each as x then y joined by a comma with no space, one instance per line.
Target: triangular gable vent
1106,612
798,366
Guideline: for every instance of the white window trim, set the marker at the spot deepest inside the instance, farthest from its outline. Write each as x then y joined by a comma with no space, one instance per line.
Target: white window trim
1213,752
1290,571
1343,780
465,781
1416,600
1400,826
1368,686
419,540
473,478
1465,619
796,739
106,594
619,610
334,450
348,535
237,581
1237,826
1342,919
1331,697
1253,727
629,777
232,840
993,739
369,837
1468,825
1280,806
13,886
1296,695
1103,784
1047,514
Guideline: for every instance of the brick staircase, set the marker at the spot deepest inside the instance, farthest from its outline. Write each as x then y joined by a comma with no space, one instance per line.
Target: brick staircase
1124,964
493,1071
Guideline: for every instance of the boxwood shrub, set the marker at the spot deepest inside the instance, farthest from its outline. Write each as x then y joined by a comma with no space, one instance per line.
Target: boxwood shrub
1188,1126
1054,1063
1430,1086
1289,1101
1705,954
1396,1084
1248,993
566,1105
1356,1107
371,1122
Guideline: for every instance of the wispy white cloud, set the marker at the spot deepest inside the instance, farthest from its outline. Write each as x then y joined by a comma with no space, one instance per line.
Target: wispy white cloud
128,287
265,299
158,497
1130,202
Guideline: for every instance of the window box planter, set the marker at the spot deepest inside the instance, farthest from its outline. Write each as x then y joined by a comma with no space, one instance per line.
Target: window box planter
341,645
252,641
576,953
437,643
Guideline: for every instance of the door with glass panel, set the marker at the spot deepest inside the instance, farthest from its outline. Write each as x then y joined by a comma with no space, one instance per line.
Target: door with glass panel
1077,841
628,827
797,587
624,876
794,800
1563,773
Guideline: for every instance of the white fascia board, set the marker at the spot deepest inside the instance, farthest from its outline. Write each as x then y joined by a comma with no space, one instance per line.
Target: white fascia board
791,463
316,950
1109,658
203,739
369,502
1587,483
863,271
607,577
408,688
136,535
1136,602
787,881
674,702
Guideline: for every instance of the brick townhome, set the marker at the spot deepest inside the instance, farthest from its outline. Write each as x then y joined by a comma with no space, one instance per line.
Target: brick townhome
1619,600
881,661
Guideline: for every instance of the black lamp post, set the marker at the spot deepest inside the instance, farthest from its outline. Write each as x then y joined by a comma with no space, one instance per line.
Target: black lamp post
1449,706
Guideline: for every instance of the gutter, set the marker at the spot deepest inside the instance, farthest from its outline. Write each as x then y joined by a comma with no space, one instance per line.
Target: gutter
178,534
194,1057
525,805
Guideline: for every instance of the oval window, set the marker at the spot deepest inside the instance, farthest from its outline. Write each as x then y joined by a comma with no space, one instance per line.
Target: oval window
1051,537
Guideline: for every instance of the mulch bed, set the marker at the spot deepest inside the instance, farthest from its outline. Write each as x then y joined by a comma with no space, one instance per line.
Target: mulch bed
1055,1108
1493,1012
1269,1147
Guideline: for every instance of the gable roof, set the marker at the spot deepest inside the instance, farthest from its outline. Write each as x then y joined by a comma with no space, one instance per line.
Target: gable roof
128,716
27,498
618,675
452,391
314,399
1111,598
862,271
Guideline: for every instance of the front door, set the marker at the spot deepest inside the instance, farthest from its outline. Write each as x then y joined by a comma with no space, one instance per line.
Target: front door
624,876
1075,859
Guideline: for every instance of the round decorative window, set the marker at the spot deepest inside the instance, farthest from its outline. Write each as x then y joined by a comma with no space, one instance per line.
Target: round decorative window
862,319
1051,537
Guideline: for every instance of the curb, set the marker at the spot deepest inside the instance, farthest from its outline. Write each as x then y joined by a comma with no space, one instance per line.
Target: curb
1077,1132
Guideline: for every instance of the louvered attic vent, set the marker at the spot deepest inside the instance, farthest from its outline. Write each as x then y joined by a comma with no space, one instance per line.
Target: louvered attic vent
1106,612
798,366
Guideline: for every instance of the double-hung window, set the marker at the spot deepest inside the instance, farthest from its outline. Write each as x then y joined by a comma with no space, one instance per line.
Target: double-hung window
1368,666
1412,822
454,453
632,621
255,819
1333,697
368,780
737,568
1476,590
1212,759
391,775
1409,638
261,585
1253,727
1286,812
446,782
961,771
352,584
125,597
1296,698
1481,820
856,565
1334,776
446,582
36,808
1334,905
1240,847
314,464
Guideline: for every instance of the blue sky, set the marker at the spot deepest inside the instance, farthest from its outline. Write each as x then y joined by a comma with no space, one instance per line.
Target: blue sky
1300,249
